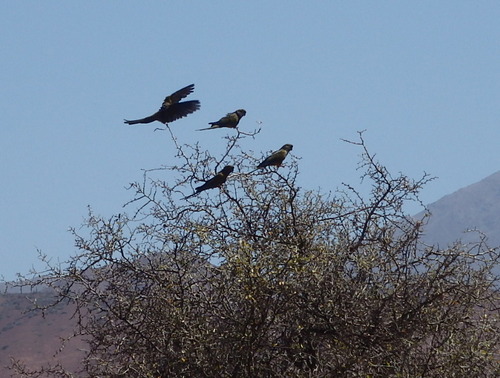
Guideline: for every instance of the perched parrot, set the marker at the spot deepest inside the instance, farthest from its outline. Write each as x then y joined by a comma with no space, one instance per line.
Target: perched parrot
215,182
230,120
277,157
172,109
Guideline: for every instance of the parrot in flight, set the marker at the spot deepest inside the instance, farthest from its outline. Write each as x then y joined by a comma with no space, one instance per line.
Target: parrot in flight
215,182
172,109
277,157
230,120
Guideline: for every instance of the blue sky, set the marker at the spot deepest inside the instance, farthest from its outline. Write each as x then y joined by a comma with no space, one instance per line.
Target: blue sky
423,79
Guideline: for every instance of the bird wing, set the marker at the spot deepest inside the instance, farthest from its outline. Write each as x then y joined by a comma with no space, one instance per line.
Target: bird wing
214,182
178,110
177,96
276,158
224,120
228,119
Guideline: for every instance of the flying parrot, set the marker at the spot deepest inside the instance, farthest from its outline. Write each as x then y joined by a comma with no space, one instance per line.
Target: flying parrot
172,109
277,157
215,182
230,120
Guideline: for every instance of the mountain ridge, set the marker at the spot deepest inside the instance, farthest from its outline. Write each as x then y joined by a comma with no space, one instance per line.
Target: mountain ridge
473,207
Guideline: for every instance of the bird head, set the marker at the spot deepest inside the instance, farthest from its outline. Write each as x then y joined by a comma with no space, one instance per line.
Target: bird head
241,112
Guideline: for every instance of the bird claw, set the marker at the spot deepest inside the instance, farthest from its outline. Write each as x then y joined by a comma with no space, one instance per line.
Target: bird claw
161,129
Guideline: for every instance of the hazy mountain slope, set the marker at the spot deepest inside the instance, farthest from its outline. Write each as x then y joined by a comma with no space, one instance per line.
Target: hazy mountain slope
32,338
476,206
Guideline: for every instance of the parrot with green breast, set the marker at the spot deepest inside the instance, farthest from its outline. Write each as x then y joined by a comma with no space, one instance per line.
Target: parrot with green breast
230,120
277,157
215,182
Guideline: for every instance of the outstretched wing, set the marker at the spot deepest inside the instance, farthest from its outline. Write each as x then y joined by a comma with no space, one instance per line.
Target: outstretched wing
177,96
178,110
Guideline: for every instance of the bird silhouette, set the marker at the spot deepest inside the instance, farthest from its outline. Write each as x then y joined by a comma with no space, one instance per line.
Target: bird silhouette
172,109
277,157
230,120
215,182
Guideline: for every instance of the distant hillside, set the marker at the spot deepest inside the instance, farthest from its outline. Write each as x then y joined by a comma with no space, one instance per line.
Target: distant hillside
476,206
35,339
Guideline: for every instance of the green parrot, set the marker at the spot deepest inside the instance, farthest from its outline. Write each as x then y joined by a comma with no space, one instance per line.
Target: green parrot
277,157
215,182
172,109
230,120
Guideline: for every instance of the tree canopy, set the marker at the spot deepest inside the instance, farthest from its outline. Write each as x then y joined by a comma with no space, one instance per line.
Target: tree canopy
264,278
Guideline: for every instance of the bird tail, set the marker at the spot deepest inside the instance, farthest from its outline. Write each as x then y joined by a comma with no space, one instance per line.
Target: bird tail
214,126
142,120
